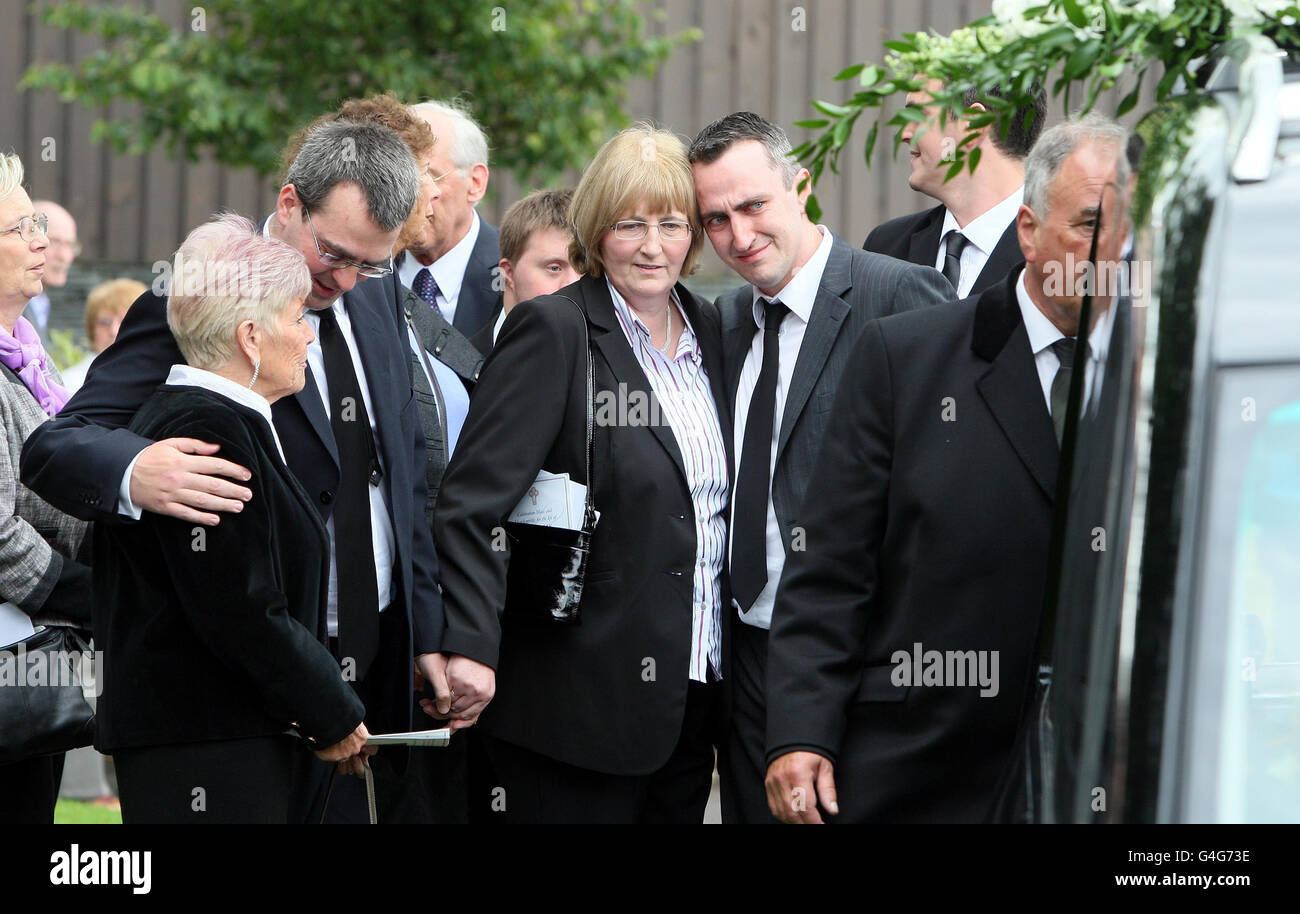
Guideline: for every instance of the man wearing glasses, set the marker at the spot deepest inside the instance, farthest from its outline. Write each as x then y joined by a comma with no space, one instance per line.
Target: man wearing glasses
352,436
59,255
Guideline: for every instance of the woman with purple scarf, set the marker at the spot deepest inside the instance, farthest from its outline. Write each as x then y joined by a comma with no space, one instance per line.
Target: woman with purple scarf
41,582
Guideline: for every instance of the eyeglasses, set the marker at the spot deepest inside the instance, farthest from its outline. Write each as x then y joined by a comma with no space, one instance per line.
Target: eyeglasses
334,261
635,230
27,226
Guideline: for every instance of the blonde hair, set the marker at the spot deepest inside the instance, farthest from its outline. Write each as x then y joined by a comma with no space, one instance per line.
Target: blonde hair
11,174
111,297
641,165
225,272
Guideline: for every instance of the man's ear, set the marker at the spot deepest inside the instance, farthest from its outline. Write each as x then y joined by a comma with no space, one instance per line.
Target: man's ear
507,271
285,202
1026,230
478,182
803,178
985,132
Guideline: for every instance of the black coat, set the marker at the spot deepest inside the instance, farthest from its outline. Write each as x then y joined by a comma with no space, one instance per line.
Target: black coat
218,632
607,694
915,238
928,518
77,460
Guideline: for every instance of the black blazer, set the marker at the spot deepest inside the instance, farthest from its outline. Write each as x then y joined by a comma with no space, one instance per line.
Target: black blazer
218,632
927,518
915,238
479,297
77,460
608,694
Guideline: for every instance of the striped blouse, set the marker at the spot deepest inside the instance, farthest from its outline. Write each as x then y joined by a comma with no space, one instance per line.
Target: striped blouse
681,386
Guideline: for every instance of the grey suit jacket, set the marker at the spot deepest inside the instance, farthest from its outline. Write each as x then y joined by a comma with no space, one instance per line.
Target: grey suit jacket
37,540
857,287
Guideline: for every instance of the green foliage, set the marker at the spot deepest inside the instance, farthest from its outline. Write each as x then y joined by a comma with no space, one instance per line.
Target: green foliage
1085,44
63,349
546,78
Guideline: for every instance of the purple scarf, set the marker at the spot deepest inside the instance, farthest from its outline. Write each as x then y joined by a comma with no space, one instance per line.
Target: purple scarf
23,354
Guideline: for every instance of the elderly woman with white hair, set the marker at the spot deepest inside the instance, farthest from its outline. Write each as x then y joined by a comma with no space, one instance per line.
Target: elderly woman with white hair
41,582
216,676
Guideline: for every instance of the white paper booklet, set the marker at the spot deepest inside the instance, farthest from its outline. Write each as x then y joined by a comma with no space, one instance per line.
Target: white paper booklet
553,500
15,625
415,738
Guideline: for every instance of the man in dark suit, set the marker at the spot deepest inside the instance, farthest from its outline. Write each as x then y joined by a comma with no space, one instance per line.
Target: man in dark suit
783,362
903,635
535,239
452,265
352,435
971,235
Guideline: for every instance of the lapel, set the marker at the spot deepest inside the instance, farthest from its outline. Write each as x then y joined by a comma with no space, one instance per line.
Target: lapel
1010,386
608,338
923,247
369,332
736,312
1004,258
309,399
828,313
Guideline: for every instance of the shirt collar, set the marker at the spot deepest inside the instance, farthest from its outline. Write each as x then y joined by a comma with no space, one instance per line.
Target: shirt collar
632,323
449,269
800,293
986,229
189,376
1042,332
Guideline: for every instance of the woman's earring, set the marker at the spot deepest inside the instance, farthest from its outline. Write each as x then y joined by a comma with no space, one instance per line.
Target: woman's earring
257,366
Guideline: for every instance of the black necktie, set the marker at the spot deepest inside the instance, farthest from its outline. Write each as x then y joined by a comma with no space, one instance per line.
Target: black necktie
354,548
1064,349
952,257
754,481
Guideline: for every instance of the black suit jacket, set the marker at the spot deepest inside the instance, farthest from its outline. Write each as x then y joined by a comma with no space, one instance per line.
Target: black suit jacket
915,238
856,288
607,694
479,298
218,632
77,460
928,519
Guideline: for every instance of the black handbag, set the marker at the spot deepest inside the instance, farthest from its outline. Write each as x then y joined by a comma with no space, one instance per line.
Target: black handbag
43,710
549,564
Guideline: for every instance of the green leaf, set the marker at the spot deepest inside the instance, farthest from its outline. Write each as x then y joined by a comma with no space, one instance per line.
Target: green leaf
834,110
871,142
850,72
901,47
1129,101
814,124
814,208
871,76
974,158
1075,14
1081,60
954,170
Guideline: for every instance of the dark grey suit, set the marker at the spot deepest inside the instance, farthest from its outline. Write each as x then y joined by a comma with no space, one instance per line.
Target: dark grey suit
856,288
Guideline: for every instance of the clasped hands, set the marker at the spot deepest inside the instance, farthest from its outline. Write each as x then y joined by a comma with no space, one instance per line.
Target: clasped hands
462,687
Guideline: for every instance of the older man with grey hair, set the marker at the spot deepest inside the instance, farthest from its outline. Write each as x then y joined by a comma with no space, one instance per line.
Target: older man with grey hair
347,436
903,635
452,264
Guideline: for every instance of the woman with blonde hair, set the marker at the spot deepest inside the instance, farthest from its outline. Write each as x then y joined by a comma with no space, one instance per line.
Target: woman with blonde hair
611,719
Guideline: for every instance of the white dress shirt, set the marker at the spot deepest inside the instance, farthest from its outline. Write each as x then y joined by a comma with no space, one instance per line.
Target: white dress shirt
448,271
381,528
798,295
1042,334
498,324
983,232
686,402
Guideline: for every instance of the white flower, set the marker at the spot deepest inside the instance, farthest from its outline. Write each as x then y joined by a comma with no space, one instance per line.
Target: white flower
1246,13
1160,9
1010,10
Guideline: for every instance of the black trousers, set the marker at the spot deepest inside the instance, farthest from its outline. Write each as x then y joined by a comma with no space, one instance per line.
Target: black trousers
29,789
742,763
535,789
220,782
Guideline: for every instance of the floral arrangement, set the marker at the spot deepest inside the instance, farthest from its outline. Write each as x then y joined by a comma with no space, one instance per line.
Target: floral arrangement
1024,44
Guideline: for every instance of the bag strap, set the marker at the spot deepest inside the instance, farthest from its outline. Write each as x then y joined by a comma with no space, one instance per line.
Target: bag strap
591,407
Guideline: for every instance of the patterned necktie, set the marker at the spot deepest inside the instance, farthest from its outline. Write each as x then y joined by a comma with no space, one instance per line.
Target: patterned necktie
754,480
952,257
427,288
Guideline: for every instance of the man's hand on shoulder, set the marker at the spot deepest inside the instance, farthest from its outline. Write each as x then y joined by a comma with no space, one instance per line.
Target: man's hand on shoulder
179,477
797,783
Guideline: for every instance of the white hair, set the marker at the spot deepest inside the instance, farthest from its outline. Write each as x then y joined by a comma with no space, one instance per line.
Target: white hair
11,174
1055,146
469,146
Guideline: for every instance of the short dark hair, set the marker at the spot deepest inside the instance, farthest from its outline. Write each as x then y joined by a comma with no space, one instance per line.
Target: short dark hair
1133,151
1026,123
718,137
542,209
369,155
